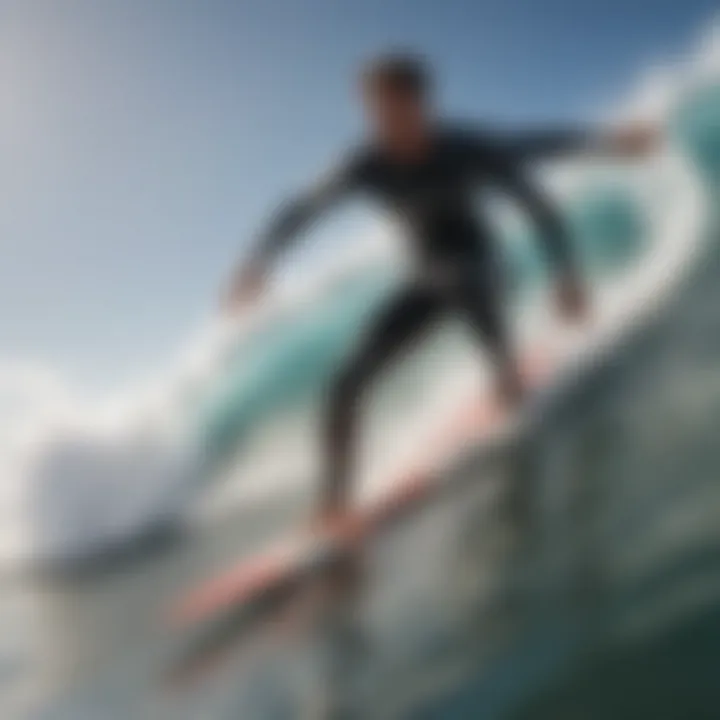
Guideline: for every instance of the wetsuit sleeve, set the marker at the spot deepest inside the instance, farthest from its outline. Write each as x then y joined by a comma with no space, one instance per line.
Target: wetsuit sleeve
298,213
508,176
550,144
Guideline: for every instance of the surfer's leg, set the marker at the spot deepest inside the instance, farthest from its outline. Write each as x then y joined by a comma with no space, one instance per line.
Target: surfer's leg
481,303
402,320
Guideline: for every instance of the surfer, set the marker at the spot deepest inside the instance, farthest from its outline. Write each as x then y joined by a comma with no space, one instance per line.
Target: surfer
428,173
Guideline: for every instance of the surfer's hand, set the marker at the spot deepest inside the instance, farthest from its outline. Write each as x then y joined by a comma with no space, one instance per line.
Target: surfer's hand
572,299
245,288
633,141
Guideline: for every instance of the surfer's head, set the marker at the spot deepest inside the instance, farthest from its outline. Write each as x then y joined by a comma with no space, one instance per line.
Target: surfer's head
397,94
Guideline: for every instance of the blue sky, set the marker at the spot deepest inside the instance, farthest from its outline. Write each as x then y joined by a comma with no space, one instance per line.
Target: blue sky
143,141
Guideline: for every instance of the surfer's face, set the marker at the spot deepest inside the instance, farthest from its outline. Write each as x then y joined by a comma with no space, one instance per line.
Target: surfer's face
397,118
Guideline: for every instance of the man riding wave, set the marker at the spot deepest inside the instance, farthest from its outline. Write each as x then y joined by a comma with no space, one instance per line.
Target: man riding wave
428,173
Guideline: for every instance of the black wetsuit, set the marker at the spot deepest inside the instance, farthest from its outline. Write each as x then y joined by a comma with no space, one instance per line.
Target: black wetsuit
436,199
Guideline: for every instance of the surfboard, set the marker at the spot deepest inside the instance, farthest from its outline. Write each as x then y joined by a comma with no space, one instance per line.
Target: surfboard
303,552
225,604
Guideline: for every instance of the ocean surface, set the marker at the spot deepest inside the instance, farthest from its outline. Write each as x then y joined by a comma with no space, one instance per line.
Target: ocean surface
575,574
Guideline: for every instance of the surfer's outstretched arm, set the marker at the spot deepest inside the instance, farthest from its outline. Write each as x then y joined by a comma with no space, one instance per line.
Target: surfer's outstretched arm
552,230
511,178
287,224
547,144
623,141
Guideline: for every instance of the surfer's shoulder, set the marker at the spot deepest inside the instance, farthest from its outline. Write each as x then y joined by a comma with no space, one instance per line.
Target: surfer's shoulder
358,163
465,137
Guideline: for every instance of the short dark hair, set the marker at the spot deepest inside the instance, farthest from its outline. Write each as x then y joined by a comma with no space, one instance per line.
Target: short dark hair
403,72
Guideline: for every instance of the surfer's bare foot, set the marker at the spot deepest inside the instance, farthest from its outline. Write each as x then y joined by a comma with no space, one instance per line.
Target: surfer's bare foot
510,389
572,299
345,578
330,510
332,515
